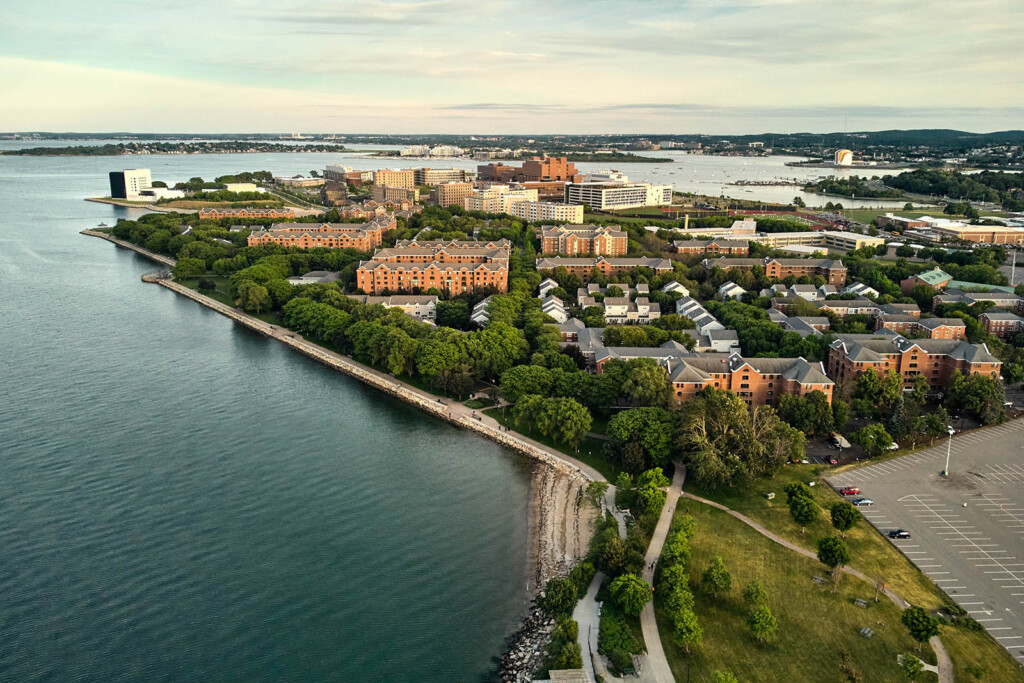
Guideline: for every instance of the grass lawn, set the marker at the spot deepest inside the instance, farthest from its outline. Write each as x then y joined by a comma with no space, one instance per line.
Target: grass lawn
814,624
589,451
871,553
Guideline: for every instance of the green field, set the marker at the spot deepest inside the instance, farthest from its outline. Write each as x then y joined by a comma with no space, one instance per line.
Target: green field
871,553
814,624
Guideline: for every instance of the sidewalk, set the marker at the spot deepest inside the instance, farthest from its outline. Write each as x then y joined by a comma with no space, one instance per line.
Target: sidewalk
657,662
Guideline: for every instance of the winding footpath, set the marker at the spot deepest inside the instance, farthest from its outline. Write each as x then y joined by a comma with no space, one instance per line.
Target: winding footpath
945,664
658,669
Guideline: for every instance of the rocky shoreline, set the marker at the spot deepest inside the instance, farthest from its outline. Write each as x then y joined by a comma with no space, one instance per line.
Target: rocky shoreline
527,647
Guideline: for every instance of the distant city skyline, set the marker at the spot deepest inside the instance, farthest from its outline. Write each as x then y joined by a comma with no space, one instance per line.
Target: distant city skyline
453,66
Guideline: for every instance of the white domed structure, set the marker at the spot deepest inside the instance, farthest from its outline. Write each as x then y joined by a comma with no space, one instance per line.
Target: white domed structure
844,157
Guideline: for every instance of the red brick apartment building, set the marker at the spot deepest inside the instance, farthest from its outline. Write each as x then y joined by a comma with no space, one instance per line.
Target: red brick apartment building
832,270
360,236
1001,324
604,265
214,214
757,381
450,270
936,360
716,247
935,328
584,239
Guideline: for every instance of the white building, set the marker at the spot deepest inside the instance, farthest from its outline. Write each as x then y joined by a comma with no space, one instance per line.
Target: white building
675,287
554,307
129,183
604,196
498,199
619,310
415,151
546,286
860,289
480,315
547,211
731,290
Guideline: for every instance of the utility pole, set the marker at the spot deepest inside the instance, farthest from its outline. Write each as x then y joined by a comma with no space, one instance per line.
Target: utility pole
949,447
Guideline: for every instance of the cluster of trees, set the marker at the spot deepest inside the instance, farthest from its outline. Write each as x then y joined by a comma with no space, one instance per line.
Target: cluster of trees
759,336
640,438
760,620
852,186
655,334
238,197
673,583
644,497
812,414
562,419
724,443
988,186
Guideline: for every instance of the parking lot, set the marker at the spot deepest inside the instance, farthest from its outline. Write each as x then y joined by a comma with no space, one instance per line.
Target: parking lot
967,530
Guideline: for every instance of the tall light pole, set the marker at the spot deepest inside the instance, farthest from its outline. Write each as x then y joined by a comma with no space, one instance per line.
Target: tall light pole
949,447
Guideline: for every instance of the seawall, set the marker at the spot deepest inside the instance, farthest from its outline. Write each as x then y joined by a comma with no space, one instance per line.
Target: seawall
165,260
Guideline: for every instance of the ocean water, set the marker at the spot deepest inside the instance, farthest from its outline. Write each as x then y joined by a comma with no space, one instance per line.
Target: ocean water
183,499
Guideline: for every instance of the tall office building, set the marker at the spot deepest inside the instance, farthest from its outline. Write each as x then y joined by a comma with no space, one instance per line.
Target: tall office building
129,183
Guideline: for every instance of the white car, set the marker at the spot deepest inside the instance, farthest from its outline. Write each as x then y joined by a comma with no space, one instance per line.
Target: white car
862,502
894,446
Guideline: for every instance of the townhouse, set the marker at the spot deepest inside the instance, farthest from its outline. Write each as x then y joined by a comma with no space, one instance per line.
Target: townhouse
1001,324
359,236
832,270
598,240
606,266
450,270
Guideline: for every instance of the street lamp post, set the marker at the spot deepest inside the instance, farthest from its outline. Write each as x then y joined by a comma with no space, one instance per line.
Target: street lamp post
949,447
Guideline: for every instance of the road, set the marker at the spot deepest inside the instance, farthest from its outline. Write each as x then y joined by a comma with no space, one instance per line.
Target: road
966,529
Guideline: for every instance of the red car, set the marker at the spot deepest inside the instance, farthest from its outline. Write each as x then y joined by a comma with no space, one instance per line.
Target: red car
849,491
833,461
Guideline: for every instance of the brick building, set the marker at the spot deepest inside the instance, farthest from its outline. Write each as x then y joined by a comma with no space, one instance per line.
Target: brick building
395,177
436,176
607,240
850,355
583,267
1001,324
450,270
497,172
388,193
832,270
546,189
716,247
934,328
360,236
935,278
535,169
215,214
449,193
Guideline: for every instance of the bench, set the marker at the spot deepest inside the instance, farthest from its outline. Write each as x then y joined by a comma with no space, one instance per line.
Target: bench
820,580
861,603
866,632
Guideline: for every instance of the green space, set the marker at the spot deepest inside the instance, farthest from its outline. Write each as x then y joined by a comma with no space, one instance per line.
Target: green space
870,553
815,625
589,450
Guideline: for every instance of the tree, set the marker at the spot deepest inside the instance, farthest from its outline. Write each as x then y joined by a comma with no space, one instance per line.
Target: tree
189,268
797,489
650,428
844,516
921,625
840,414
804,511
631,593
645,383
904,251
977,395
716,579
798,201
754,593
251,296
687,633
723,677
833,553
873,439
912,666
559,597
762,623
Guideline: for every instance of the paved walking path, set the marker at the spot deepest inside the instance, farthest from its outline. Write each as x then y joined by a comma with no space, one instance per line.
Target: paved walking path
945,664
588,617
657,663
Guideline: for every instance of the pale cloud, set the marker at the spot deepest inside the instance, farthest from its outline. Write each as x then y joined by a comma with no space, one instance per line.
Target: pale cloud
531,66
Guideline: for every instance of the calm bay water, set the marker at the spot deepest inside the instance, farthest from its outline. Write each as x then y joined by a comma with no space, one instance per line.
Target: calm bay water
182,499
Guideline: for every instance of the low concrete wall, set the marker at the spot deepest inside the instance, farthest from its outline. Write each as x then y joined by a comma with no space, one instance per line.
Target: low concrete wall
378,380
165,260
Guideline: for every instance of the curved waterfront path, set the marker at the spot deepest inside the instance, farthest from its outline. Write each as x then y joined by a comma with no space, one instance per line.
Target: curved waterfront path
945,664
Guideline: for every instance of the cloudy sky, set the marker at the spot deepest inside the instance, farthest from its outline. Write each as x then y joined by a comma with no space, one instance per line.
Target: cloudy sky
531,66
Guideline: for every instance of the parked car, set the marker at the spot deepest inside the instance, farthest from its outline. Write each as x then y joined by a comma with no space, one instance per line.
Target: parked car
862,502
899,533
833,461
894,446
849,491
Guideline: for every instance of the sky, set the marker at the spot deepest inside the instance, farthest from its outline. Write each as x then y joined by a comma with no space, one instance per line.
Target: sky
528,67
